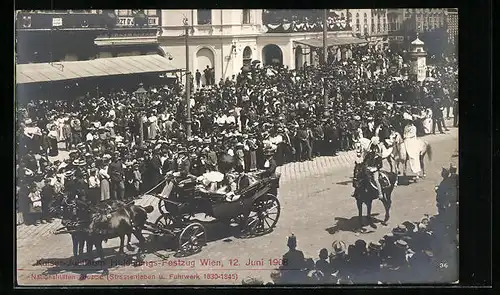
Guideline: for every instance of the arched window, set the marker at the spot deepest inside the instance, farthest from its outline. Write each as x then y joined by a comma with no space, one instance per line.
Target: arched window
247,56
342,16
204,16
357,15
365,16
246,16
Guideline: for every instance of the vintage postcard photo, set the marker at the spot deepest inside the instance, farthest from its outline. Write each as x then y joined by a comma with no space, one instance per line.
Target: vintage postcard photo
236,146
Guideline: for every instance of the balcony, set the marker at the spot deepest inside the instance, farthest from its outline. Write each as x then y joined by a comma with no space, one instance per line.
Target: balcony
211,30
77,20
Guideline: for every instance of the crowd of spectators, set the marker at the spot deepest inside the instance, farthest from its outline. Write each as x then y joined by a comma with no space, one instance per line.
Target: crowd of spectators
237,118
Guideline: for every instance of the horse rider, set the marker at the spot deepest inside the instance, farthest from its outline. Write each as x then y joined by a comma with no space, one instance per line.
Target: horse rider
373,163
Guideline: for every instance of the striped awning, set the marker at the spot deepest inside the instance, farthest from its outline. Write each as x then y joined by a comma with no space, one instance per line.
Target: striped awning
68,70
332,41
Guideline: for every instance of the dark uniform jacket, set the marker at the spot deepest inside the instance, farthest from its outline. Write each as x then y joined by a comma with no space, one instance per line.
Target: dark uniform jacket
115,171
293,263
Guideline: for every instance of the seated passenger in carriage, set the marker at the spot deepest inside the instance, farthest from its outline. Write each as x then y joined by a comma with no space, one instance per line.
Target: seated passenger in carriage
224,185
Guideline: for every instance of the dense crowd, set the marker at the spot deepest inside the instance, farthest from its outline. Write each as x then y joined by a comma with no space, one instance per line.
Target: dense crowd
414,252
235,123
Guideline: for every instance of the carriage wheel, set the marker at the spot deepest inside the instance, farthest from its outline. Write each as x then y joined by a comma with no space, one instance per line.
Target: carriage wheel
264,215
164,221
192,239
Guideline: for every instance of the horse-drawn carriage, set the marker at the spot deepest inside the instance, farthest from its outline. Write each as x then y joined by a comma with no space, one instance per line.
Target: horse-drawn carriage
256,211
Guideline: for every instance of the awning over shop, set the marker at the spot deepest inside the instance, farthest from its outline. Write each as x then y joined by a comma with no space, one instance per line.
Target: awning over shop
332,41
46,72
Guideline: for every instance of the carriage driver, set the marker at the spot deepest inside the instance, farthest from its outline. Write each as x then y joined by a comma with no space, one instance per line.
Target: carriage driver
373,163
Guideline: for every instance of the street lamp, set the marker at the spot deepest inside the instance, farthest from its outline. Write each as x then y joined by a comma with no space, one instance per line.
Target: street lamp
325,56
140,94
188,79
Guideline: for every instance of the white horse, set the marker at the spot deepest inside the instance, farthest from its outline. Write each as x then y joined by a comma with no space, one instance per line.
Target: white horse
362,146
413,150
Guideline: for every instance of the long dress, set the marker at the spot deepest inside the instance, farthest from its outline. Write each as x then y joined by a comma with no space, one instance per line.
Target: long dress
105,190
412,145
428,121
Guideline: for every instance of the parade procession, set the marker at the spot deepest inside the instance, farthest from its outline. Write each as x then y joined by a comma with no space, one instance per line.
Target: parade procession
164,156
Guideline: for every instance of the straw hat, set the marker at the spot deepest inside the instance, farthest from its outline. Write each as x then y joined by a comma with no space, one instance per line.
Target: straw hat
401,244
79,162
400,230
338,247
375,246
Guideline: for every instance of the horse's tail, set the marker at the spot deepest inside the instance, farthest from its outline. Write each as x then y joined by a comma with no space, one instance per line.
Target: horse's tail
428,151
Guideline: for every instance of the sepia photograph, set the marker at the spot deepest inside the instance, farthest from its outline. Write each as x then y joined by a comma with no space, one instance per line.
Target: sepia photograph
236,147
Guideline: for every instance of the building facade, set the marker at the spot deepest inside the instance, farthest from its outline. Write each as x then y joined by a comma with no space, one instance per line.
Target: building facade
227,39
429,23
452,25
370,23
71,35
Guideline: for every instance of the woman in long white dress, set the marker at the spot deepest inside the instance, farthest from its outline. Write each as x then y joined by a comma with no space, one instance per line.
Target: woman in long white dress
104,177
427,122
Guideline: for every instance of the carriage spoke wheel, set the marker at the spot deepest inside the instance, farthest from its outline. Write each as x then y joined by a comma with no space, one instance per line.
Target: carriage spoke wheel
192,239
164,221
264,215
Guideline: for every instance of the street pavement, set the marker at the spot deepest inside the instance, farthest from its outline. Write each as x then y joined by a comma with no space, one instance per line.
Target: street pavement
315,206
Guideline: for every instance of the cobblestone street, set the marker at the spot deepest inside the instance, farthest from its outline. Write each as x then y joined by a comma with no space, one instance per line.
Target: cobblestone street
315,206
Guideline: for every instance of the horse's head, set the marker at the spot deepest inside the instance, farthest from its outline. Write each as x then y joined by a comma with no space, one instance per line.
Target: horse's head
62,208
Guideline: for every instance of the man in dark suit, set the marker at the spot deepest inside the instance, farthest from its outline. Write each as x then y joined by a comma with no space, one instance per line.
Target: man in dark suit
303,136
116,173
293,263
437,117
183,162
198,78
156,168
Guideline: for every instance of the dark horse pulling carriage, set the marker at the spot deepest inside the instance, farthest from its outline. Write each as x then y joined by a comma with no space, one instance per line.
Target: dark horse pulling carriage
256,211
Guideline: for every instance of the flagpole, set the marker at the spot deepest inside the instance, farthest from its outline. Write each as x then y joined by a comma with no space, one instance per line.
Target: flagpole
325,57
